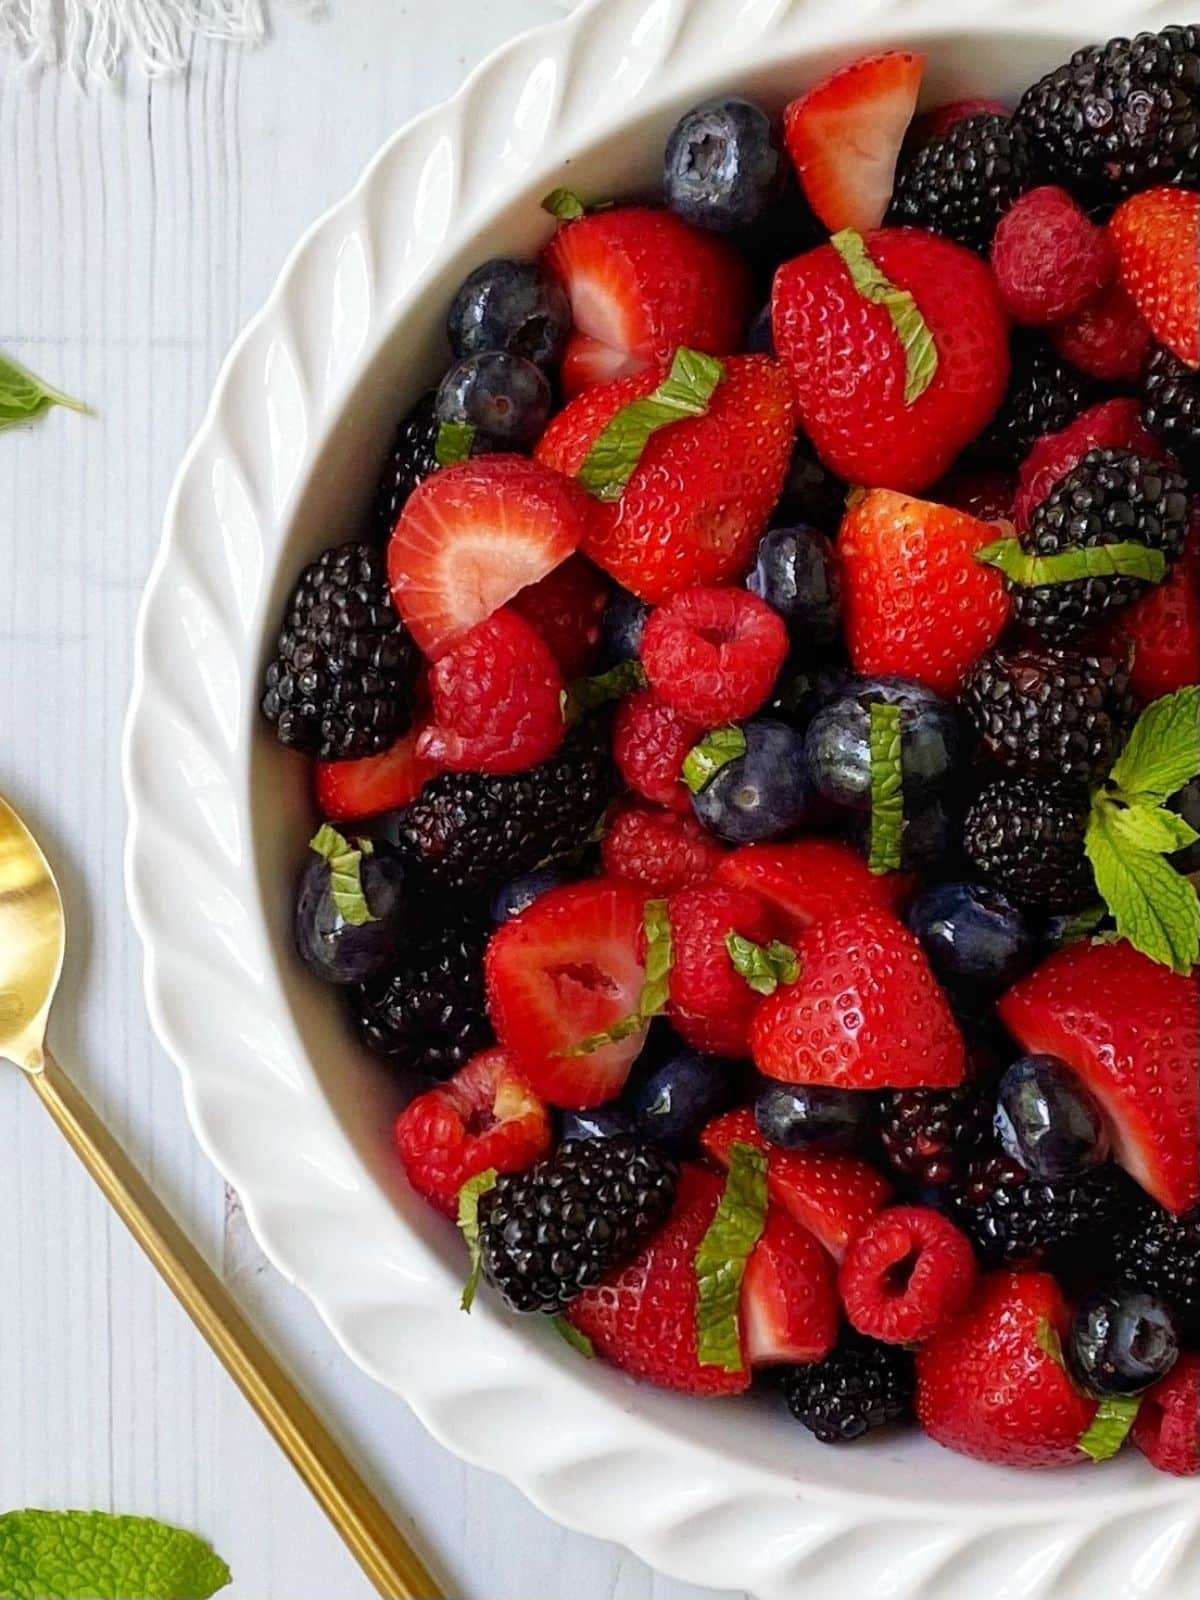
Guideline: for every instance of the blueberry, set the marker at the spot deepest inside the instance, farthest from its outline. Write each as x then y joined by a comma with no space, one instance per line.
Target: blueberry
346,952
523,891
672,1105
605,1122
506,399
803,687
804,1116
514,306
723,166
838,742
973,934
1122,1340
1187,804
1048,1120
760,335
762,794
622,625
796,573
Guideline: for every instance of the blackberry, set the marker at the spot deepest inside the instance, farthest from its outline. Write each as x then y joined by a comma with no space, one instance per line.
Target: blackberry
1044,394
961,183
474,832
1161,1252
1053,714
1012,1218
547,1234
429,1015
1171,406
861,1386
1119,117
1110,497
410,461
930,1135
341,683
1025,838
812,496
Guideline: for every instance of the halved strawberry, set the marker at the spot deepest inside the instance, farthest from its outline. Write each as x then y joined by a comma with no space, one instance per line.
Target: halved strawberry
810,879
1157,239
789,1306
641,283
1160,633
474,534
1167,1429
395,777
565,969
832,1196
1130,1029
711,1004
844,136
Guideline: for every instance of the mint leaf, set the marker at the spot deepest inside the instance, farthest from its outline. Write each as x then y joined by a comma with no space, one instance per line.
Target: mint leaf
623,1028
1153,907
887,790
652,1001
586,694
83,1555
1078,927
1162,753
1146,826
564,204
469,1196
716,750
453,443
617,448
920,352
24,396
1049,1343
1029,571
722,1255
764,967
1109,1428
345,873
575,1338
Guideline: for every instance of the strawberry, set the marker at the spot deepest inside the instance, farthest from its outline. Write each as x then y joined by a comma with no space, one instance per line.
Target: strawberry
1160,633
844,136
711,1004
566,607
989,1384
866,1013
849,368
789,1306
1157,239
659,850
833,1196
472,535
395,777
641,283
700,495
568,967
1130,1029
1111,425
810,879
485,1116
915,600
1167,1428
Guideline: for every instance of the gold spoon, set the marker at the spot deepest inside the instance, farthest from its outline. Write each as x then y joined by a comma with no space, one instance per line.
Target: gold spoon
32,941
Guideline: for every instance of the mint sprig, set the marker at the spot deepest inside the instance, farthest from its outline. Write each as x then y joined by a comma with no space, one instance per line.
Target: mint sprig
764,966
722,1255
24,396
1029,571
717,749
79,1555
1162,754
469,1196
887,790
920,351
1109,1428
345,873
453,443
617,448
656,983
588,694
575,1337
564,204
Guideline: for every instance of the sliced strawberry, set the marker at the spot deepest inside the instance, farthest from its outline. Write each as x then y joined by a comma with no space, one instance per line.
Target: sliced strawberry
566,607
833,1197
789,1305
641,283
810,879
1167,1429
567,968
474,534
1157,240
1130,1029
395,777
844,136
1160,633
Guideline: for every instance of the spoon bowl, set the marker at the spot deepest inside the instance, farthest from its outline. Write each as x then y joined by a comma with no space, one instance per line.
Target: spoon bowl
33,936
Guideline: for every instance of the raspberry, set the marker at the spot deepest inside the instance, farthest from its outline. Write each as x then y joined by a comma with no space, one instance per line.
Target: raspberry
1049,258
1107,339
660,850
496,700
485,1116
906,1275
711,1003
1167,1429
713,654
650,740
939,121
565,607
1111,425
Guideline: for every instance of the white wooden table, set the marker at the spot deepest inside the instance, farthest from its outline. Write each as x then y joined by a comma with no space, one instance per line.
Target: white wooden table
138,230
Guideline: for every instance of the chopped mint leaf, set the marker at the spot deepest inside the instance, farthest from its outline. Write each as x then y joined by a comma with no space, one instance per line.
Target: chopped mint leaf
345,873
469,1196
617,448
652,1001
1162,754
24,396
1087,561
586,694
1049,1343
920,351
717,749
575,1338
564,204
1146,826
623,1028
1077,928
722,1255
1109,1429
764,967
453,443
887,790
78,1555
1153,906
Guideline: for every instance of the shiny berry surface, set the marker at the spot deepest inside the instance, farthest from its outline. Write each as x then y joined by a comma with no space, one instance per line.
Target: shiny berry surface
1122,1341
1048,1120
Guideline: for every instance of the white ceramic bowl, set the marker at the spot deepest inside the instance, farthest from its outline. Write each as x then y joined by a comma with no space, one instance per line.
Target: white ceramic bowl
296,1117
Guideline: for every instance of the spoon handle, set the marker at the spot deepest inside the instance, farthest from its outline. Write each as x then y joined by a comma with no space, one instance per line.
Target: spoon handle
378,1545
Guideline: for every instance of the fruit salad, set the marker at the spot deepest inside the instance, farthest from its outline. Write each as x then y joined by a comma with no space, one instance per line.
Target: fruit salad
755,748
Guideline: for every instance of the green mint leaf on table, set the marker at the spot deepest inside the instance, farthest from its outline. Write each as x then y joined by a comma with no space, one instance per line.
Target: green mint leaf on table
617,448
564,204
469,1196
24,396
1049,1343
887,790
920,351
722,1255
1068,566
1153,906
1109,1429
764,967
345,873
92,1555
1162,753
586,694
652,1001
453,443
577,1340
716,750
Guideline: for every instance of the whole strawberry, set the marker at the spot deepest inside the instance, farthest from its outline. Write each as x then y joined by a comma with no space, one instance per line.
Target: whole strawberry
711,1001
1157,240
1160,633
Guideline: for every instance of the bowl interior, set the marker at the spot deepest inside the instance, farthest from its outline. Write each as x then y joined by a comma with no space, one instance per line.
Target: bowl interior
358,1089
